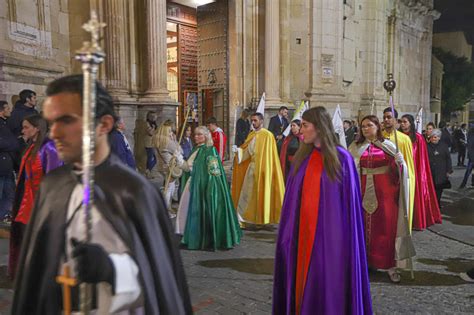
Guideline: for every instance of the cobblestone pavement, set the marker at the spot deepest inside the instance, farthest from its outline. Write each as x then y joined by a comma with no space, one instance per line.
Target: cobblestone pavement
239,281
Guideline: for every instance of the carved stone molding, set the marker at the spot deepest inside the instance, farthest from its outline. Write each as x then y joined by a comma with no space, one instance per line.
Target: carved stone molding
31,40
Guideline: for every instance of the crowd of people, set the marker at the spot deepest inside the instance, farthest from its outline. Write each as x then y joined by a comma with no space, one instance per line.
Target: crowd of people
340,212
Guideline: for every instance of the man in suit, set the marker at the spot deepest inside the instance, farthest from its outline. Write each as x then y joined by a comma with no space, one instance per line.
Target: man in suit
279,122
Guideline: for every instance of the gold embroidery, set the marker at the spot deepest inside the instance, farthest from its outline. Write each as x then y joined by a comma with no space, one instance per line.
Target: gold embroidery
369,202
213,166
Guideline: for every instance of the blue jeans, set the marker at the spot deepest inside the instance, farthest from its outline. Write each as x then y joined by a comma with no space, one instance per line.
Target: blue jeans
7,194
150,158
470,166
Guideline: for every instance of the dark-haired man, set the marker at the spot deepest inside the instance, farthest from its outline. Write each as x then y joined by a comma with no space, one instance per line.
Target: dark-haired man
349,132
24,107
132,260
257,180
460,138
406,148
8,153
279,122
218,136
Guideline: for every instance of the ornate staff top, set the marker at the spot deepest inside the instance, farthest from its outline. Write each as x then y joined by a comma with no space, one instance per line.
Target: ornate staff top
390,84
91,52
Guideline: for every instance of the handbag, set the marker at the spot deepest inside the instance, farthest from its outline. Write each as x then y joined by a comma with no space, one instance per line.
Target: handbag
176,171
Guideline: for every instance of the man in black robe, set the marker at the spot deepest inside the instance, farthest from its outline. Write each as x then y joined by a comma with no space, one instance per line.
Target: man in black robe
128,213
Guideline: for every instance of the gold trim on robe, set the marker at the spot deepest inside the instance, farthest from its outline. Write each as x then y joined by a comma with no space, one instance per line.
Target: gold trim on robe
404,248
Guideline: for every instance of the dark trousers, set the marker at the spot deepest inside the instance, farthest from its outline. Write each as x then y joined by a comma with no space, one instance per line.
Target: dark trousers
439,192
461,154
470,166
7,194
17,231
150,158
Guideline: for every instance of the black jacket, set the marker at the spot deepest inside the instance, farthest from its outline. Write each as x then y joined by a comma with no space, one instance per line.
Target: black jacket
440,162
446,137
138,214
350,135
459,139
276,126
18,114
242,131
9,147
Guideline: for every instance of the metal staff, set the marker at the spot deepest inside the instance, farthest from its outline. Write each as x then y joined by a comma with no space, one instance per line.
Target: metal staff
389,86
90,55
173,160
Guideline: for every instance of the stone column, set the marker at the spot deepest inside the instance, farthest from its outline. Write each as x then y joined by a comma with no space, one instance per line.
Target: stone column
272,52
116,38
326,51
156,51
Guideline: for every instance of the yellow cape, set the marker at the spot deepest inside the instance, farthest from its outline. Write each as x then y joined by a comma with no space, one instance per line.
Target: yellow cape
266,198
406,149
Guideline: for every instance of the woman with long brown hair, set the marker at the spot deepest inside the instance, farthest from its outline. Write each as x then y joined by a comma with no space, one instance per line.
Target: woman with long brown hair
320,264
39,158
384,196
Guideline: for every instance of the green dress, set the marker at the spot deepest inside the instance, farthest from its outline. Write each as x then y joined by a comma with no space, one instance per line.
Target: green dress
211,220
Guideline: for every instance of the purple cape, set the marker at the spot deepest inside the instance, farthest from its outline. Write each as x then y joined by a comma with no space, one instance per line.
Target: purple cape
337,281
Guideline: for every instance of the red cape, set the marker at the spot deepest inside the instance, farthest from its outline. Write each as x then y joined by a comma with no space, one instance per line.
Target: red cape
426,209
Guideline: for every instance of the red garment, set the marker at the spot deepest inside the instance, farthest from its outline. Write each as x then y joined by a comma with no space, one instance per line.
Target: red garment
285,157
32,168
426,209
381,226
308,222
220,140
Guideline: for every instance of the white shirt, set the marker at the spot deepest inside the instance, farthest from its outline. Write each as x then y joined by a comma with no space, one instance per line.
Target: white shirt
127,287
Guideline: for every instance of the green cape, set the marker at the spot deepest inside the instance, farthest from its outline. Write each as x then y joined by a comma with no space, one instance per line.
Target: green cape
212,220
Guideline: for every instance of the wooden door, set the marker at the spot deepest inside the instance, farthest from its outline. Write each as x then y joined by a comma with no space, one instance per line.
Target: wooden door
212,23
207,105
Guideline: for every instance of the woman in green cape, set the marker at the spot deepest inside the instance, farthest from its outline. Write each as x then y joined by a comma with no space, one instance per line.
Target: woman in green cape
206,215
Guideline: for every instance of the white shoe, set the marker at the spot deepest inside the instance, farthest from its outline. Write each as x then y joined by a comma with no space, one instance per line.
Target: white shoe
465,277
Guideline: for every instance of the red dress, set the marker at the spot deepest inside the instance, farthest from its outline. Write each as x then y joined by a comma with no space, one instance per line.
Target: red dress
426,209
381,225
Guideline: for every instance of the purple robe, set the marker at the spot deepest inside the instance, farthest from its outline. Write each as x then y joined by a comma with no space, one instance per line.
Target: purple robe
337,280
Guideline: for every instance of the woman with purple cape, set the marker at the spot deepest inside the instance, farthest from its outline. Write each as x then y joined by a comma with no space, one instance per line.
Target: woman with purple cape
320,263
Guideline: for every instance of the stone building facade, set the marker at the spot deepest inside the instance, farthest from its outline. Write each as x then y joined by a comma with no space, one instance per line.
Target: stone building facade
326,51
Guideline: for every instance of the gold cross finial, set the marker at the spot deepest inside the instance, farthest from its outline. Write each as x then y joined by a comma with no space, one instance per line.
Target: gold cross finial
67,282
93,26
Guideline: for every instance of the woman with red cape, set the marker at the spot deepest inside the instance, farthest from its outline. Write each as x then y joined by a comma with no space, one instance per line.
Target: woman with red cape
385,199
290,146
426,209
39,158
320,263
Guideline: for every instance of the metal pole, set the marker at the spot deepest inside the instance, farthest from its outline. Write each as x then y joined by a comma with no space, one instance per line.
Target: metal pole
90,55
